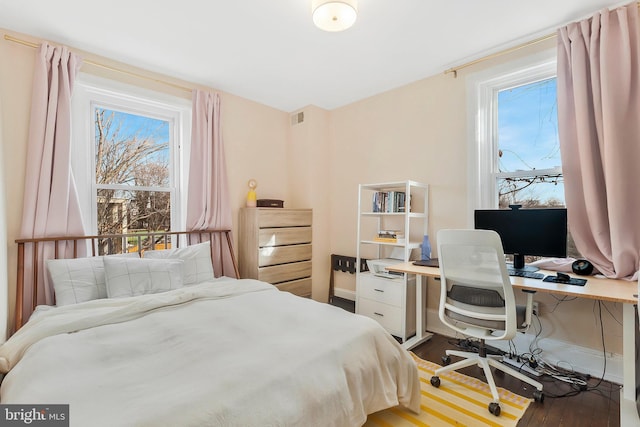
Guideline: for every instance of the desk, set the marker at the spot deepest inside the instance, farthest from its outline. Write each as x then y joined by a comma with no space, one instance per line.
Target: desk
611,290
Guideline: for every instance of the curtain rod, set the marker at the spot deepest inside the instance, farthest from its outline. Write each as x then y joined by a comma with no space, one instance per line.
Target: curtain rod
106,67
454,70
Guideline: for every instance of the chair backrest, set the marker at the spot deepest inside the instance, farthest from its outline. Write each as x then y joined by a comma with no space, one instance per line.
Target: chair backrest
476,298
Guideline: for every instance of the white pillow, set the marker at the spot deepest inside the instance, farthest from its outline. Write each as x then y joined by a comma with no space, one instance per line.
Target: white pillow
197,261
126,277
79,279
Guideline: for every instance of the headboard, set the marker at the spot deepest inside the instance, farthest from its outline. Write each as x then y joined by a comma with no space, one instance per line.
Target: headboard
30,249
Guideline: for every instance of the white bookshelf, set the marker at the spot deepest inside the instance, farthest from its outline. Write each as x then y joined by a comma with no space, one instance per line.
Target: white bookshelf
390,300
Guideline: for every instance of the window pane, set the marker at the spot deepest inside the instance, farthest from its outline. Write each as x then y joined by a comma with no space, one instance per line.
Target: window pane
125,211
131,149
528,127
528,141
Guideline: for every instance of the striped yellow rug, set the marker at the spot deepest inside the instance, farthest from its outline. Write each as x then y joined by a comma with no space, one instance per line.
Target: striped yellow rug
459,401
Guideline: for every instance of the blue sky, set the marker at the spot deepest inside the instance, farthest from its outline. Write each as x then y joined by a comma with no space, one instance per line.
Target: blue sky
141,126
528,127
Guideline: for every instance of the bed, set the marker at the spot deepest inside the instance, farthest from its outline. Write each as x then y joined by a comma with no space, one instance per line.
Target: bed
192,349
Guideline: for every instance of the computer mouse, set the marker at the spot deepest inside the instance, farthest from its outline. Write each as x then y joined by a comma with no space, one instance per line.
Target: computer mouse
562,278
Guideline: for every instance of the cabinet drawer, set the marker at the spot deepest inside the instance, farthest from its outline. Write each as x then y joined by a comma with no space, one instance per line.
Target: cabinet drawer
284,236
284,218
285,272
300,287
390,317
388,291
283,254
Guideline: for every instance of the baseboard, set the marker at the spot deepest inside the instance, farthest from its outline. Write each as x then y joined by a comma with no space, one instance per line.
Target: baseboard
345,293
582,359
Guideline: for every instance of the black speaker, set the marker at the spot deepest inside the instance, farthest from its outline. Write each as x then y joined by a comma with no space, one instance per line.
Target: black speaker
582,267
269,203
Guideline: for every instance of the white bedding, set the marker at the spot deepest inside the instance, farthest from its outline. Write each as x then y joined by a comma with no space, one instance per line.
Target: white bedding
222,353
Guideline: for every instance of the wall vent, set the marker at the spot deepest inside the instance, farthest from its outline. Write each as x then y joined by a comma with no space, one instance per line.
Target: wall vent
297,118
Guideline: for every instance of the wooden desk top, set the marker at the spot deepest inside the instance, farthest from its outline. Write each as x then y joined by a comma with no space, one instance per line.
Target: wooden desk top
614,290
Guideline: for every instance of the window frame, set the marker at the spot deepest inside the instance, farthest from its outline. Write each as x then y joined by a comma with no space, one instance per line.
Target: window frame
91,92
483,88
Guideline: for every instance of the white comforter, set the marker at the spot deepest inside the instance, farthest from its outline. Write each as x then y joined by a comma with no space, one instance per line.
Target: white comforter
223,353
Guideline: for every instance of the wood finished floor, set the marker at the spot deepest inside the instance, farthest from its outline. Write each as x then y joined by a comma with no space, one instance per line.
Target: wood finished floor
598,407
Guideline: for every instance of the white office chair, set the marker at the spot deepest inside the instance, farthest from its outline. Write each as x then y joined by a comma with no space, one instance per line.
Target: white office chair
477,300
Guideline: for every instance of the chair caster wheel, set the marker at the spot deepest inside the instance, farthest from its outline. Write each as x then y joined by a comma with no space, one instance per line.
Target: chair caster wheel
446,360
494,408
538,396
435,381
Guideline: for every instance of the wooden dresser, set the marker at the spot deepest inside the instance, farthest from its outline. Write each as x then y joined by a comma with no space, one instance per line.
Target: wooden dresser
274,245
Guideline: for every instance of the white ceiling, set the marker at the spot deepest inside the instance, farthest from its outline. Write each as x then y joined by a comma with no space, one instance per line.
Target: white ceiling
269,50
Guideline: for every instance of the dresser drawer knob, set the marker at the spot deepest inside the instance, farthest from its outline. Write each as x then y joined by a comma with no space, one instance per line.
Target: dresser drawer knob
378,314
378,290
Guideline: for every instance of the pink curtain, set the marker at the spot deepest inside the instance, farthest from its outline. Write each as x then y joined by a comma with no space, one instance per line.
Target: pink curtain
50,204
208,204
599,128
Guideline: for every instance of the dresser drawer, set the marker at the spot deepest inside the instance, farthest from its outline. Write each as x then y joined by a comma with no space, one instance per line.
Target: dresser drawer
283,254
390,317
284,236
285,272
388,291
284,218
301,287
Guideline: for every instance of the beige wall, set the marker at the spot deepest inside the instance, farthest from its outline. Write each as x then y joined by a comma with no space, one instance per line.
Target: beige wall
4,307
16,69
309,153
418,131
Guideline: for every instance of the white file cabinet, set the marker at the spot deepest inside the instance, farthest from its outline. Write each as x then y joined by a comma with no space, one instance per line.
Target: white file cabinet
389,301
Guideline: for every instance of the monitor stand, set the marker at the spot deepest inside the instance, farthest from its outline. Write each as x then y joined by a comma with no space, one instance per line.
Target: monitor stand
519,265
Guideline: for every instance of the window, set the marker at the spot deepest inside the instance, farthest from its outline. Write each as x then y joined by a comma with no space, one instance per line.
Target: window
515,153
528,170
129,150
132,157
515,150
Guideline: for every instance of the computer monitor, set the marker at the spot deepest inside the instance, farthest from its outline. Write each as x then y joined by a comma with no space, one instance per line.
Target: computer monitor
527,232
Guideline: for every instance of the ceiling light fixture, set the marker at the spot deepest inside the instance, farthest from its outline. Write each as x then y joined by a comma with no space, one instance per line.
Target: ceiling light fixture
334,15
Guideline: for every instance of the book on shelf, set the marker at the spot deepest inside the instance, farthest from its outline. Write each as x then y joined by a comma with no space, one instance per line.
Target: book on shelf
389,236
389,240
389,201
390,233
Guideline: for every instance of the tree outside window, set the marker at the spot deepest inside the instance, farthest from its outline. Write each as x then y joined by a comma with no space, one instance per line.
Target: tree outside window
132,174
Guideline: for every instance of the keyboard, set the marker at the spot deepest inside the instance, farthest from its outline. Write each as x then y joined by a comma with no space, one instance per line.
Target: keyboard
527,274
